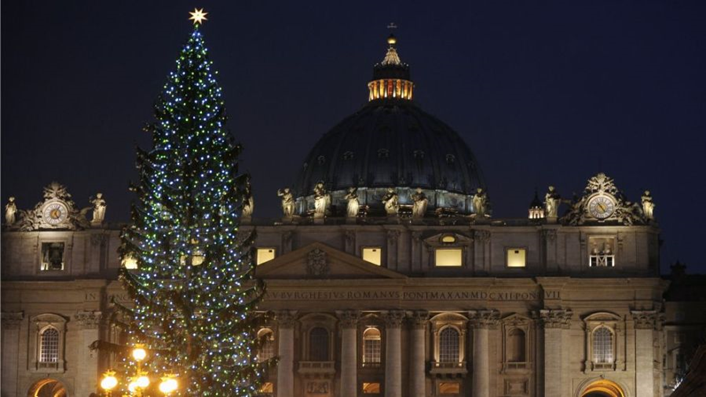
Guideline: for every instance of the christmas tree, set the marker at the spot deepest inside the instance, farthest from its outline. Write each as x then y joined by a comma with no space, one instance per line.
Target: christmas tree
194,293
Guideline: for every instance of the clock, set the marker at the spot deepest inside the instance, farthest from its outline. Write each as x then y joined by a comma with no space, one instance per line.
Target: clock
55,213
601,207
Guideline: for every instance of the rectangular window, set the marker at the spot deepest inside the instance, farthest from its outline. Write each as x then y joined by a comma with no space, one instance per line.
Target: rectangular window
449,388
516,257
267,387
52,256
449,257
601,251
371,388
129,262
265,255
373,255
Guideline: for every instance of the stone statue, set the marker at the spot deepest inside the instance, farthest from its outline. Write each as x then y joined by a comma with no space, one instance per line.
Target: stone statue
248,201
648,206
99,208
551,202
420,204
391,202
480,203
322,200
10,211
353,203
287,202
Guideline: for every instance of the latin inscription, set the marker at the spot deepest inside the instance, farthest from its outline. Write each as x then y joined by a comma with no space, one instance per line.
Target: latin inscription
411,295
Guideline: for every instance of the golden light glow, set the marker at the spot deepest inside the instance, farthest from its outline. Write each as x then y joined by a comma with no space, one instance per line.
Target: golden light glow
109,381
449,257
389,88
139,353
449,388
169,384
371,388
142,382
264,255
516,257
198,257
198,16
373,255
448,239
130,262
267,387
132,387
605,387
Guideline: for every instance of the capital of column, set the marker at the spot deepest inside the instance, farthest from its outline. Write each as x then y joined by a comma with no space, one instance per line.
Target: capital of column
394,318
484,318
12,320
418,319
286,318
647,319
348,318
554,318
88,319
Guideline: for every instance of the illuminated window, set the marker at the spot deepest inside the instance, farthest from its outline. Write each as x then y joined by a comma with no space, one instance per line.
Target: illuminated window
267,349
602,251
602,346
265,255
449,345
52,256
371,388
373,255
267,387
516,257
448,239
318,344
449,257
49,346
372,347
449,388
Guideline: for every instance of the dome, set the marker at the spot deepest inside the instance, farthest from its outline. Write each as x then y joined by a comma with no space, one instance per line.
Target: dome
391,143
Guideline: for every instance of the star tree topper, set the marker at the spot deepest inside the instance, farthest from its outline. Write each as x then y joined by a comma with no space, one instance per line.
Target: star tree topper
198,16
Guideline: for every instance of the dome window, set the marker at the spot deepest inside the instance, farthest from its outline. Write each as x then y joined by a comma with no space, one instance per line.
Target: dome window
450,158
418,154
383,153
321,160
348,155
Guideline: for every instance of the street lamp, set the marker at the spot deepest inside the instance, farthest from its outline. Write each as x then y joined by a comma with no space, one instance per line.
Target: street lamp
140,382
169,384
109,382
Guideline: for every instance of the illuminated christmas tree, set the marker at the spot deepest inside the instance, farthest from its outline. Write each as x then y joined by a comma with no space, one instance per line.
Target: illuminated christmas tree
194,293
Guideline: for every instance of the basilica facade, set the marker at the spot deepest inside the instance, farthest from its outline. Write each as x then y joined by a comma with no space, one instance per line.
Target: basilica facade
387,275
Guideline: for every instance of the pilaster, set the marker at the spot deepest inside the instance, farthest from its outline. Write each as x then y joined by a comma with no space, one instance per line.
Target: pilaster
393,353
645,324
481,322
87,366
286,321
11,324
554,323
417,364
348,321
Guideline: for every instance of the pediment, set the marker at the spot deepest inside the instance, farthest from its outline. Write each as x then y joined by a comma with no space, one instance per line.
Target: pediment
320,261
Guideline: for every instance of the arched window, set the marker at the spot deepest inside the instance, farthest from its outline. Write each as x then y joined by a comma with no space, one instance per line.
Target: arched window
602,346
516,346
449,345
267,349
49,346
372,347
318,344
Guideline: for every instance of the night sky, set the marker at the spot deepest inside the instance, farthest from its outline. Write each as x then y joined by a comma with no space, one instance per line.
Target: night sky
543,92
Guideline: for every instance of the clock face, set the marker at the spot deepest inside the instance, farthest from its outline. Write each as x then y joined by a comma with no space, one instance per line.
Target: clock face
601,207
55,213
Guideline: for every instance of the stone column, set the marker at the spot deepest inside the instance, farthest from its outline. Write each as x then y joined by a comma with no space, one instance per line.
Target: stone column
349,352
554,323
87,366
286,321
11,324
417,359
481,322
645,322
393,353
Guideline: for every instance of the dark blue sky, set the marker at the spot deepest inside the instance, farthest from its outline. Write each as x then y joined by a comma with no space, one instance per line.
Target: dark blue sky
543,92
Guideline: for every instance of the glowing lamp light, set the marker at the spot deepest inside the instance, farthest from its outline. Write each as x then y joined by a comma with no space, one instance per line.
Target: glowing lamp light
139,353
130,262
198,258
109,381
132,387
168,385
142,382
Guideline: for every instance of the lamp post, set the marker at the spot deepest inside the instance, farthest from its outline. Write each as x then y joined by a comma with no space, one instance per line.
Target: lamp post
141,381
